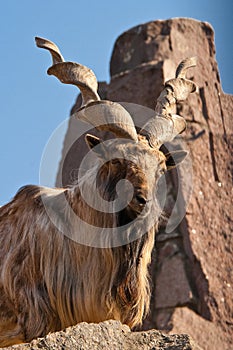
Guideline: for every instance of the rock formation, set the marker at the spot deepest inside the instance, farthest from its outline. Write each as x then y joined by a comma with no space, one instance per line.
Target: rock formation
191,271
109,335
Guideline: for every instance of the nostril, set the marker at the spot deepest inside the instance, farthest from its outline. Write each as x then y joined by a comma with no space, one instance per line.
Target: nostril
141,200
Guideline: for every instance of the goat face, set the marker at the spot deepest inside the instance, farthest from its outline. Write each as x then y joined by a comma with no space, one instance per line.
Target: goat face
128,174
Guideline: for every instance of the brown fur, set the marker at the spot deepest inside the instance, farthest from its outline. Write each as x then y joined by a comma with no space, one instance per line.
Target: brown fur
48,281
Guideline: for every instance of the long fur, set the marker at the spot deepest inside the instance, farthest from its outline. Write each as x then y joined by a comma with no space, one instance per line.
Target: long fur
48,281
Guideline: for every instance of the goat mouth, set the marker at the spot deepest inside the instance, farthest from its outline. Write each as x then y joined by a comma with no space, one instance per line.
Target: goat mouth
129,214
134,210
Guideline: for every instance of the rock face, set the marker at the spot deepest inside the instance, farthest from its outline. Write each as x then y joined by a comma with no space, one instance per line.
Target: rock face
111,335
191,265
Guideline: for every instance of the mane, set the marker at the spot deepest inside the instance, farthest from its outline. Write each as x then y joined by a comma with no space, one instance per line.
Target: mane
67,282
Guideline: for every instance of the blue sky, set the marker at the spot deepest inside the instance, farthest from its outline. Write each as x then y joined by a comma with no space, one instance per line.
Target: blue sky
33,104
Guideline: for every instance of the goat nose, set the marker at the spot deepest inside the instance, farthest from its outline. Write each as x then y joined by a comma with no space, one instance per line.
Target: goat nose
141,199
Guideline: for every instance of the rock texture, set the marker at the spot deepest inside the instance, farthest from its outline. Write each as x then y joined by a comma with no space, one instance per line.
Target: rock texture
111,335
192,265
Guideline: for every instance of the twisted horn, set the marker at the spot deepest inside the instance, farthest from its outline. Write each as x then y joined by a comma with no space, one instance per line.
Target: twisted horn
49,45
166,125
104,115
108,116
185,65
71,73
78,75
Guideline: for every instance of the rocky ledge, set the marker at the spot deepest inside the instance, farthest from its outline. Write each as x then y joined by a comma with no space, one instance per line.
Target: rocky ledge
109,335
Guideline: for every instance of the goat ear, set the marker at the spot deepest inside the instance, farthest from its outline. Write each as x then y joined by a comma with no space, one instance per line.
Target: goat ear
96,145
175,158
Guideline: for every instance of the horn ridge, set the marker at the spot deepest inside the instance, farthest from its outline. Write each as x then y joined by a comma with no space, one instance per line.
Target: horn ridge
185,65
78,75
166,125
109,116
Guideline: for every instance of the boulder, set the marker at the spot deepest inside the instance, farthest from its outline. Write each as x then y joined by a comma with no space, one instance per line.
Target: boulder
109,335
